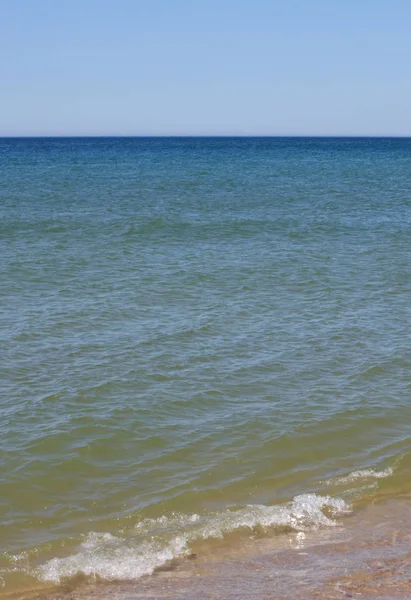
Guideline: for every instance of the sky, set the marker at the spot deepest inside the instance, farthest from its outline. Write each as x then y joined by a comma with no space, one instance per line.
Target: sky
195,67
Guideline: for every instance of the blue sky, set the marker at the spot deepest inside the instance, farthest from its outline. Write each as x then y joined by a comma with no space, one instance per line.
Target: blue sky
264,67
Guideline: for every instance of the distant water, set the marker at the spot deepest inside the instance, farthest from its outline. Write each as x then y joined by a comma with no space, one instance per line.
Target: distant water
198,336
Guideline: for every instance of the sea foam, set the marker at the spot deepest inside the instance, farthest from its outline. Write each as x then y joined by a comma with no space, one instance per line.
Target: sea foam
112,557
361,474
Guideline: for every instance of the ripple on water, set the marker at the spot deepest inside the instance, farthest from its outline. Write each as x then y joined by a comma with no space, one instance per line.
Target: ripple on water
193,325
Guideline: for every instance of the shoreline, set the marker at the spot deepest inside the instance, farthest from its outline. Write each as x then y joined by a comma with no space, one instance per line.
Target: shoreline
367,556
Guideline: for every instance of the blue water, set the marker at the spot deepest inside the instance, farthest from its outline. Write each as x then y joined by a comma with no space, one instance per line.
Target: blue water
190,325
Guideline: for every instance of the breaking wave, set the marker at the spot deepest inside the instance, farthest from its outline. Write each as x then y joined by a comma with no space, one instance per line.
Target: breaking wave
361,474
154,542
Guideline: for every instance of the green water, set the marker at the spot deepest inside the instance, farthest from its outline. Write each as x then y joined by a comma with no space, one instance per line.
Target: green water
193,332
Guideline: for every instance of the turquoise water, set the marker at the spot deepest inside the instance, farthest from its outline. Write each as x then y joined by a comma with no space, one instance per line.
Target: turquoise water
198,336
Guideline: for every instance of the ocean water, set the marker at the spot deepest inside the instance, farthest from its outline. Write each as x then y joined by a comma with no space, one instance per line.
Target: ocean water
201,339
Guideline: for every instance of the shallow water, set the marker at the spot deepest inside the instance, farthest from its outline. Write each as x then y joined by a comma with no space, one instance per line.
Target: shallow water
194,333
368,555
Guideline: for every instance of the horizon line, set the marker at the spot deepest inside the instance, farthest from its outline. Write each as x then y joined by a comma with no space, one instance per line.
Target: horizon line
205,136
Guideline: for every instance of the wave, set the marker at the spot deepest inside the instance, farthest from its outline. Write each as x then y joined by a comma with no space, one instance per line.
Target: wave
155,542
360,475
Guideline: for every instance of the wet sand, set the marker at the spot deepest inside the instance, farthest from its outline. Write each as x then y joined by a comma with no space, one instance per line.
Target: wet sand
367,557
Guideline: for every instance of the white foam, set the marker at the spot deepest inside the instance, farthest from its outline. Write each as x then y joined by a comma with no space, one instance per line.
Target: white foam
111,558
359,475
157,541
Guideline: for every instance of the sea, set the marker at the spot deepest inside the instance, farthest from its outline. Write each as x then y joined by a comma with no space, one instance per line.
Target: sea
205,358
